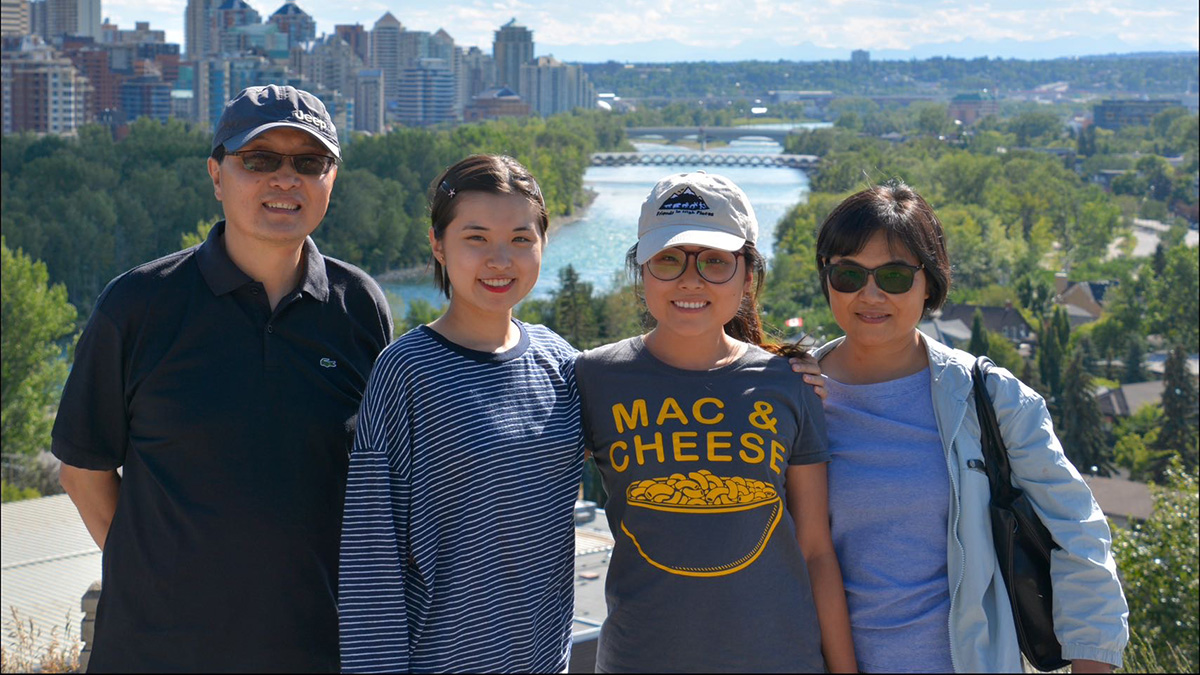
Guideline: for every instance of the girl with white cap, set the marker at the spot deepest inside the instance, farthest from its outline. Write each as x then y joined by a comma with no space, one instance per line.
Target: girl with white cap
714,457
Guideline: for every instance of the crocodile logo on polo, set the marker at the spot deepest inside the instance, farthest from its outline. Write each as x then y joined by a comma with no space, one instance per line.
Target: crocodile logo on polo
328,363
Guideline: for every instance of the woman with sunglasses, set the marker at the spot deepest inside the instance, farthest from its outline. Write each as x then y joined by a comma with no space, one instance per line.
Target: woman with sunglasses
908,492
713,456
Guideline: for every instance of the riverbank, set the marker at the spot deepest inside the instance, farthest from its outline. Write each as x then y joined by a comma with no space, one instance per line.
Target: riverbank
422,272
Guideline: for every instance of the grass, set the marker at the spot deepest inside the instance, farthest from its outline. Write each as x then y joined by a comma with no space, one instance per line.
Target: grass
55,653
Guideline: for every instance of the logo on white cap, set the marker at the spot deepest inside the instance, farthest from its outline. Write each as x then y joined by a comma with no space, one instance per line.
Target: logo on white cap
684,199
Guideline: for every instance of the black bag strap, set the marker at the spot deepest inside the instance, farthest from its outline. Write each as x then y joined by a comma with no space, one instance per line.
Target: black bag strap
995,455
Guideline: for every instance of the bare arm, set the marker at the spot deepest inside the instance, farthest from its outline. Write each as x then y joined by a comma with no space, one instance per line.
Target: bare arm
95,495
808,503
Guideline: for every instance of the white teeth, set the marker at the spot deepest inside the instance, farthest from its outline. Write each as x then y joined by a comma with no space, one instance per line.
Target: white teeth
689,305
496,283
279,205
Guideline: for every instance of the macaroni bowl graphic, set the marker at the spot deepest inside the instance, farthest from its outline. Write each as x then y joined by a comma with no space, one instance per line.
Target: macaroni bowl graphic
671,521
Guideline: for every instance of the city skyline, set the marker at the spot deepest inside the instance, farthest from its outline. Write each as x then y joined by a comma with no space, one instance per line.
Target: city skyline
761,29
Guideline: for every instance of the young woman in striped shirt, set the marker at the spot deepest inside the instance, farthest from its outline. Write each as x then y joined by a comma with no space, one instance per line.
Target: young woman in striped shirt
458,534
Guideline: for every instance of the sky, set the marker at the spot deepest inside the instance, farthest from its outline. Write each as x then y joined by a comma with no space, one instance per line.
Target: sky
693,30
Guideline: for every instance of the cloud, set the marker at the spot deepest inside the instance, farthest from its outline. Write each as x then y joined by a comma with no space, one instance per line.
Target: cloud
831,24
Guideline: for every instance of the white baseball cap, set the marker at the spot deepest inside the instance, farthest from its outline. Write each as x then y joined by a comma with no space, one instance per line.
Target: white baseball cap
695,209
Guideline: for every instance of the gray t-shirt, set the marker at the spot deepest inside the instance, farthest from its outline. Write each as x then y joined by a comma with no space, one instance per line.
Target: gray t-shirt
706,574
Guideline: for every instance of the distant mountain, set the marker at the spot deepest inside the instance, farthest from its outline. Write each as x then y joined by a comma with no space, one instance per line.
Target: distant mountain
668,51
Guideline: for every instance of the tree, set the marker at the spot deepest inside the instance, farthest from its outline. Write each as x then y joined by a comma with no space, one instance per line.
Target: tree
1157,559
1176,304
1081,431
979,335
574,313
1049,360
36,319
1134,372
1179,406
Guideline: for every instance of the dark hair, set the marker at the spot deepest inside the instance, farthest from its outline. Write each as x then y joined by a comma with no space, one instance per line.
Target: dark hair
492,174
218,153
905,217
746,325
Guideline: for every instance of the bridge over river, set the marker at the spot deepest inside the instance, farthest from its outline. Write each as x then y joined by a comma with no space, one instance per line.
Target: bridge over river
805,162
704,134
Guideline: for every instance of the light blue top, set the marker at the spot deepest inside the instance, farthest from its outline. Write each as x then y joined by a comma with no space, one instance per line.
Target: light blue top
1091,618
889,500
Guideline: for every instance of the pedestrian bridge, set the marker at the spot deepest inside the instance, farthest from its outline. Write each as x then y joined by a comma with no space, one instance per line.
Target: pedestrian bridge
806,162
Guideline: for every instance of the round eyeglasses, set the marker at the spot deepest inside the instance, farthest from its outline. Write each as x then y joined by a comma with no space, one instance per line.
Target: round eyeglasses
714,265
893,278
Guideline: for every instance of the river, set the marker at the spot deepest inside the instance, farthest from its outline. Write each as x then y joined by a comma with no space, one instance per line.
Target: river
596,243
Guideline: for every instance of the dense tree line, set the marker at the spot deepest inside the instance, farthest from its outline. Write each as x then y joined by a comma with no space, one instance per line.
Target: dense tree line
91,207
1163,74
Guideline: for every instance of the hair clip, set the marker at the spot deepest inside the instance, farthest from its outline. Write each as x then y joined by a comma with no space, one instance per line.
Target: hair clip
449,190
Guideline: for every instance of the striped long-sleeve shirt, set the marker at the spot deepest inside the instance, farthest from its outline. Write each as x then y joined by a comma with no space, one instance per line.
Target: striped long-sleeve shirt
457,546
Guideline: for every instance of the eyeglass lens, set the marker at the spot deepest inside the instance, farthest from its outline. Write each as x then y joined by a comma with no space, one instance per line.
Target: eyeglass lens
894,279
714,266
265,161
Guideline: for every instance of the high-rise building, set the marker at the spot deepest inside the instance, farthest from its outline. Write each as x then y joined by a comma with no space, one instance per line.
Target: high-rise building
14,18
295,23
141,34
368,101
196,19
145,96
860,57
358,37
413,46
39,16
511,49
230,15
427,94
332,64
385,54
73,17
94,62
477,73
43,92
494,103
550,86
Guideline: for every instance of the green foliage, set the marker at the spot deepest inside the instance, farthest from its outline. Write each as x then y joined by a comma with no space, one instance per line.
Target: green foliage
1178,435
12,493
1081,431
979,343
574,314
420,312
37,319
197,237
91,208
1175,307
1158,563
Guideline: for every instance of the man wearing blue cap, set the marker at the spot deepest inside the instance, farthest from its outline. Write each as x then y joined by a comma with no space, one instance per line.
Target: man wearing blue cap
224,380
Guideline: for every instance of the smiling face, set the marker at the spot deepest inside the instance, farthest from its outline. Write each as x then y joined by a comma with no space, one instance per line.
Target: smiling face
492,252
279,207
870,317
691,307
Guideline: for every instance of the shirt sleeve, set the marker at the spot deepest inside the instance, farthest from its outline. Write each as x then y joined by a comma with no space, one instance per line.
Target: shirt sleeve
91,429
811,445
372,606
1091,618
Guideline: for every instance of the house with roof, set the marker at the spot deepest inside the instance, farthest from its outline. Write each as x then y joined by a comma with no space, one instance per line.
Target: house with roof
1127,399
1005,321
1083,300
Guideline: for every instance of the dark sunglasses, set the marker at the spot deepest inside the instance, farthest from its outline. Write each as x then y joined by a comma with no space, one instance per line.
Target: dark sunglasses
265,161
715,266
894,278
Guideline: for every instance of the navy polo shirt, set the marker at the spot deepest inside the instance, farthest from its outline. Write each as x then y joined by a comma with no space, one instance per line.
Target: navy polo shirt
233,424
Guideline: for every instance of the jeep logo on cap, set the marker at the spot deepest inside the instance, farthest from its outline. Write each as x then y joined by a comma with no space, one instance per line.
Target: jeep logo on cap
311,119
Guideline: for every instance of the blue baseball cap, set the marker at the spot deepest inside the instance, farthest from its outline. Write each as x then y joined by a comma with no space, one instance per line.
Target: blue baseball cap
258,109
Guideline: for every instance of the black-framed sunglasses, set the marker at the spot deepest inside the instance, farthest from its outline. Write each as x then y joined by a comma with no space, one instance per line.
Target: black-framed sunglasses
265,161
894,278
714,265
